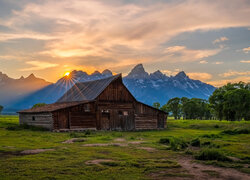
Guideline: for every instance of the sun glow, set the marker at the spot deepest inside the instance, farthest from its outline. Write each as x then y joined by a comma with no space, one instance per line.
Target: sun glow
66,73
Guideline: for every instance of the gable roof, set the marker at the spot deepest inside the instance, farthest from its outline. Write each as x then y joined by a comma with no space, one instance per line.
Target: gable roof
87,91
52,107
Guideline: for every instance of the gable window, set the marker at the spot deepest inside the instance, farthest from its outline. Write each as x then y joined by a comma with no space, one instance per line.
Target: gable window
86,107
125,113
105,111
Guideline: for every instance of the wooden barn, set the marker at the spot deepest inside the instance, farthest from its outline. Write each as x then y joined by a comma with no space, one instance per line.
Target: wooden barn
104,104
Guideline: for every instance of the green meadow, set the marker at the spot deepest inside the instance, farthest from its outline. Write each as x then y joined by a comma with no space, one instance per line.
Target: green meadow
126,155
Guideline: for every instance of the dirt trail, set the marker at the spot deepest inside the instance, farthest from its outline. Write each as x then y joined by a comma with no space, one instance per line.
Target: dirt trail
73,140
35,151
98,161
202,171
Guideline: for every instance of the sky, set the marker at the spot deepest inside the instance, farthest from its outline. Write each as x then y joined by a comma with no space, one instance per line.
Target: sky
208,39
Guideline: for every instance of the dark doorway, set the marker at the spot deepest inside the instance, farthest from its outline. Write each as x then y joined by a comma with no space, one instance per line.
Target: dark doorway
105,120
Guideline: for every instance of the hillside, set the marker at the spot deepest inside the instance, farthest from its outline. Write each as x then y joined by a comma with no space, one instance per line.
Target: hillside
12,90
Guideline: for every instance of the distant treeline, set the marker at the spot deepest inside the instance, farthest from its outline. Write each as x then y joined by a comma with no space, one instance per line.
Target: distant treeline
230,102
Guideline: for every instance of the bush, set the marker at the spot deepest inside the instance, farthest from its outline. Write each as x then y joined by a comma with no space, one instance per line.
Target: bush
216,126
236,131
211,154
207,143
195,142
212,136
76,135
174,143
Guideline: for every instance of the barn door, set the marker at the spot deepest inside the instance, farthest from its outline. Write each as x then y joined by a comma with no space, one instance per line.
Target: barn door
105,120
63,120
126,120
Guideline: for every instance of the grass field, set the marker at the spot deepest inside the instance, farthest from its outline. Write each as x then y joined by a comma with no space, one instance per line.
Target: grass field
154,154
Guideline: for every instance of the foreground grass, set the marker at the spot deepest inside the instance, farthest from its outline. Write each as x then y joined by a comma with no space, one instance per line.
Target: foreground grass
67,161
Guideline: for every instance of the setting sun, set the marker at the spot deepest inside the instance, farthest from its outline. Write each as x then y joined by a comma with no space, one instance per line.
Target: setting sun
66,73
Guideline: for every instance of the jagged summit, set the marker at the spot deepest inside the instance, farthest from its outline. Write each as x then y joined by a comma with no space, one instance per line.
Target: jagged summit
138,72
158,75
96,73
107,72
31,76
181,74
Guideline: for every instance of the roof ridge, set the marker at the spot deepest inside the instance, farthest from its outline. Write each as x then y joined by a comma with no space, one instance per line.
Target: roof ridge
115,76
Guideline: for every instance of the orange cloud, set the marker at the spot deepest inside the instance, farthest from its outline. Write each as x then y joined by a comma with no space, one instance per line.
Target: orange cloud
200,76
38,65
234,73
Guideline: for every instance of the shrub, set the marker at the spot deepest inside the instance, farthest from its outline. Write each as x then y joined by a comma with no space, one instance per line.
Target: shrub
174,143
195,142
207,143
76,135
212,136
211,154
216,126
236,131
189,152
164,140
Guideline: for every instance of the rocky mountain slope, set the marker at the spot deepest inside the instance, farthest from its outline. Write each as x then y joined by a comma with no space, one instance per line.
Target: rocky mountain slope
147,88
12,90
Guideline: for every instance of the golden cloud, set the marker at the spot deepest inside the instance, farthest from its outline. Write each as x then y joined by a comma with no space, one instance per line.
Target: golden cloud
38,65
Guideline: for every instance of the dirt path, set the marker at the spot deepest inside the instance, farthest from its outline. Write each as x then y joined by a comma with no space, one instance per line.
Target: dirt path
202,171
98,161
34,151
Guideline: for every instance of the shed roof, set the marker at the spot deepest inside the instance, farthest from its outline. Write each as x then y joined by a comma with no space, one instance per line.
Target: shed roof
87,91
52,107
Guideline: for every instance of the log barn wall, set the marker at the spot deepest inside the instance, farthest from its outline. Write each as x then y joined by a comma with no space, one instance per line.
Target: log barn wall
78,117
147,117
44,120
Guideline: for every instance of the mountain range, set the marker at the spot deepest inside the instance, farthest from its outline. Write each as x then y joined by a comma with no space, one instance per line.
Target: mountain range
16,94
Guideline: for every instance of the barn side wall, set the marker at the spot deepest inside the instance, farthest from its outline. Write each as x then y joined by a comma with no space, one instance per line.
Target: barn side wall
44,120
78,117
147,117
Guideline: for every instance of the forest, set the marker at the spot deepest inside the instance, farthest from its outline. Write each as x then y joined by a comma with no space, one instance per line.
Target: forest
230,102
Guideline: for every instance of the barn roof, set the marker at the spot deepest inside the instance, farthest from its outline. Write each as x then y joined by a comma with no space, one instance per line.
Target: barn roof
52,107
87,91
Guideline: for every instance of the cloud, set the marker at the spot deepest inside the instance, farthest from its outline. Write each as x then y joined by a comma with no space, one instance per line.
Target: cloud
200,76
235,73
118,34
218,62
203,62
38,65
221,39
183,54
245,61
170,72
222,82
80,28
246,50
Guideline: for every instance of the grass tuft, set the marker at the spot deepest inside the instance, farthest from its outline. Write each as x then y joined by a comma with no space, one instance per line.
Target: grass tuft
174,143
211,154
236,131
195,142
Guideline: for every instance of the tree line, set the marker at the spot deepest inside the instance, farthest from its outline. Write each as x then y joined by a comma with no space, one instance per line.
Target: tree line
1,108
230,102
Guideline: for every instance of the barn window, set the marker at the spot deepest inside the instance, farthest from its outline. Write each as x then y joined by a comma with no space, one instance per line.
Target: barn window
125,113
120,113
33,118
86,108
105,111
